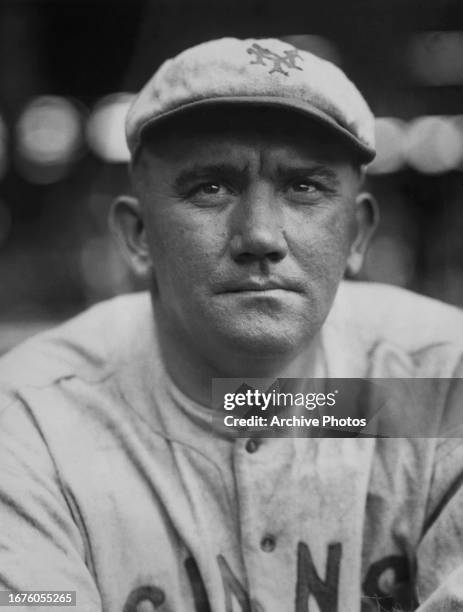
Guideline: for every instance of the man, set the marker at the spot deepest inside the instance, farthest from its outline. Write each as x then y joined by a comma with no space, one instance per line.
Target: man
117,482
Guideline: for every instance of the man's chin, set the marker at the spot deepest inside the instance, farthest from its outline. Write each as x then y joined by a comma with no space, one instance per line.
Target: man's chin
264,338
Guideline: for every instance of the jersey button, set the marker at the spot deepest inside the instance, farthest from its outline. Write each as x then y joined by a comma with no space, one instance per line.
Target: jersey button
252,445
268,543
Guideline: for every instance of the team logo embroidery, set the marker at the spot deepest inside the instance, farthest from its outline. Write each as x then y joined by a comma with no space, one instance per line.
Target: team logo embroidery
280,62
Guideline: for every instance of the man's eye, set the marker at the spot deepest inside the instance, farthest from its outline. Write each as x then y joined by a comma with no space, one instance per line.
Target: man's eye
304,187
210,188
209,194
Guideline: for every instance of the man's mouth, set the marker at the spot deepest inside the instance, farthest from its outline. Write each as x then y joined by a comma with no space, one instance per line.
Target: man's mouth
258,284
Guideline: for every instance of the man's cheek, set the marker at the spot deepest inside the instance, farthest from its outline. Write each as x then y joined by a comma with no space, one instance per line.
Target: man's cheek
321,250
183,263
335,241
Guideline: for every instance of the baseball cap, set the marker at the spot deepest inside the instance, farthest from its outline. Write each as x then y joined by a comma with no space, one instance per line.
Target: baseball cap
254,72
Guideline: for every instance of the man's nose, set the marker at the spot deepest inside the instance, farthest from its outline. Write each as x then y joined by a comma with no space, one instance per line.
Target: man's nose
257,231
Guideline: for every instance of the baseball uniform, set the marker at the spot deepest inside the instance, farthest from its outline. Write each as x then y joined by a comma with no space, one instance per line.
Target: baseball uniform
115,485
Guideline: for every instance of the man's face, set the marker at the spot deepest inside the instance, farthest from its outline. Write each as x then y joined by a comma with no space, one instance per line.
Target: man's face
249,228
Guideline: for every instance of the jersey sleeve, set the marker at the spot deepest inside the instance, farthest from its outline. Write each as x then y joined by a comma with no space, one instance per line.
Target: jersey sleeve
41,548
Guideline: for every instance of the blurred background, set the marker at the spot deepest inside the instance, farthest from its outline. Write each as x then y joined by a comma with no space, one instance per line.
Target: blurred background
68,71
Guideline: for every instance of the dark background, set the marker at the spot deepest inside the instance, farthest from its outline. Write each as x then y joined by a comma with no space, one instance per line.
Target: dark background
56,256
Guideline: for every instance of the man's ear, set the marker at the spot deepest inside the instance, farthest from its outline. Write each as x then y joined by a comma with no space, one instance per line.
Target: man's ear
366,222
126,221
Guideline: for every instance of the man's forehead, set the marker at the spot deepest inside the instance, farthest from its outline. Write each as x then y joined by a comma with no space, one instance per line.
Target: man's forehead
245,151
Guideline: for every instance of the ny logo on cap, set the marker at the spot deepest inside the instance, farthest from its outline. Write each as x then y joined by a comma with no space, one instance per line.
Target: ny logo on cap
288,60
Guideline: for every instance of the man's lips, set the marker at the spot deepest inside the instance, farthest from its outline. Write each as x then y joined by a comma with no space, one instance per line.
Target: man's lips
260,284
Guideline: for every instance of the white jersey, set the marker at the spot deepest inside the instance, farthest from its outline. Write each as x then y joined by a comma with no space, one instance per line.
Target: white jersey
114,485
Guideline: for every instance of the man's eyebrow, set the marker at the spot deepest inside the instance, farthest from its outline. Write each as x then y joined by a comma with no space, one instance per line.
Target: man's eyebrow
319,171
198,171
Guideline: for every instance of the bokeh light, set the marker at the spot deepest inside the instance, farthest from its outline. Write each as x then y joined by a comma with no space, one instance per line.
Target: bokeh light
433,145
49,131
436,58
389,133
106,128
457,124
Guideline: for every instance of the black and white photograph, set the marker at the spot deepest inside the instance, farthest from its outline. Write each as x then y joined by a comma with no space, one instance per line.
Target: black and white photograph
231,292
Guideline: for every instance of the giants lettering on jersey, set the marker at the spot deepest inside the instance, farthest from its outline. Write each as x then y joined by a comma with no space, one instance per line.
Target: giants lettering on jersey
324,589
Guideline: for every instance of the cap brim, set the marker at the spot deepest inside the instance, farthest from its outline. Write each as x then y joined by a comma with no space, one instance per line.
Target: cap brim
364,152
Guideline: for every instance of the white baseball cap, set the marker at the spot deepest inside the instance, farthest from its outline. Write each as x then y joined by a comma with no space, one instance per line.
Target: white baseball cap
253,72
